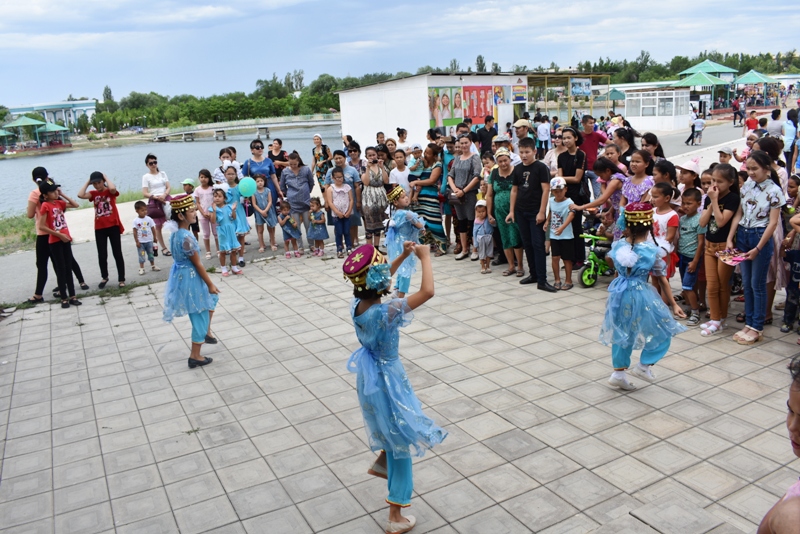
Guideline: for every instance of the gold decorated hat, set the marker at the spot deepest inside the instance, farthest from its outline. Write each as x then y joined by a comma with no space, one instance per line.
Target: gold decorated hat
639,213
181,203
358,263
393,191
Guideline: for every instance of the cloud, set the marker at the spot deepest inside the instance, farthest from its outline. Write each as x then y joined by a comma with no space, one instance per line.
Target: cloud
186,15
354,47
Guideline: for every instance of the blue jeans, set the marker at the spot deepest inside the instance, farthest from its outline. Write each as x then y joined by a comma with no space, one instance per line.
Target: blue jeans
595,184
341,229
754,276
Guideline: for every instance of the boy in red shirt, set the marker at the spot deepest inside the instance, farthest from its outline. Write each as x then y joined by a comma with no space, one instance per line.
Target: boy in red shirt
53,223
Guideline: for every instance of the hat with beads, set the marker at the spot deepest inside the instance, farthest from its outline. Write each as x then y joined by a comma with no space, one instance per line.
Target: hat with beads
393,191
181,203
364,266
639,213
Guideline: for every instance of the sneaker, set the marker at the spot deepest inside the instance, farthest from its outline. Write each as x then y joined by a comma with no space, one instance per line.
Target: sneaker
236,270
288,255
693,320
241,263
141,270
208,255
643,372
298,253
340,254
461,255
154,268
786,328
226,273
401,528
621,383
474,256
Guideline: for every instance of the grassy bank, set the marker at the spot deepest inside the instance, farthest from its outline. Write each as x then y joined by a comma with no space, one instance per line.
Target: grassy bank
17,232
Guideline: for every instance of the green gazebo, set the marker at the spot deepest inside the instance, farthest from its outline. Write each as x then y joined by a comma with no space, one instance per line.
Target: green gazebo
753,77
52,129
25,121
708,67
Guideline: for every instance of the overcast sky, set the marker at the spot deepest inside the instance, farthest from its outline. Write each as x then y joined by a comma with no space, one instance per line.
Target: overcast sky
52,48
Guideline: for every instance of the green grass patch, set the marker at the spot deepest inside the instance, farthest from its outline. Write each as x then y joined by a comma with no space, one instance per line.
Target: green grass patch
17,232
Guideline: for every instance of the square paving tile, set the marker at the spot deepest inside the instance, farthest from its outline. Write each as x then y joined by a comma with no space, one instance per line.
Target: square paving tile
503,482
546,465
540,507
676,517
709,480
582,489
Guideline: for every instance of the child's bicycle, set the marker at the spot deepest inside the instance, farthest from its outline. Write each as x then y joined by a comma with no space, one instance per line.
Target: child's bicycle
595,265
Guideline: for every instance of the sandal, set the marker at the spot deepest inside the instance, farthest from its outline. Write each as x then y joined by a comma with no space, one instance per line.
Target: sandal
520,273
740,317
167,252
36,300
710,328
84,286
768,321
566,287
102,284
73,302
122,284
274,247
740,298
508,272
65,304
208,255
557,285
751,337
261,250
738,335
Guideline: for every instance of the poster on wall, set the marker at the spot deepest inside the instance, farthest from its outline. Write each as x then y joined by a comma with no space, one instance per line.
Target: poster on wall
580,87
519,93
478,103
445,106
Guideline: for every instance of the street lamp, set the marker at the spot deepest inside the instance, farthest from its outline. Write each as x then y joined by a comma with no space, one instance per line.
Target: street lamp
101,126
145,122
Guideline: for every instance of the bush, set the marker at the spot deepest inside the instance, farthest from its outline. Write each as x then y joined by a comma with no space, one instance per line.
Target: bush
92,137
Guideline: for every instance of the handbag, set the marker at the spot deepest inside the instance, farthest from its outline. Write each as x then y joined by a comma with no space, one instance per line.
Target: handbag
155,209
453,198
248,208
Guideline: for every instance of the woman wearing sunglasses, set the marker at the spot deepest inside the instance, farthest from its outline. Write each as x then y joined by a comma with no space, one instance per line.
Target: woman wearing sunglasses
551,158
155,188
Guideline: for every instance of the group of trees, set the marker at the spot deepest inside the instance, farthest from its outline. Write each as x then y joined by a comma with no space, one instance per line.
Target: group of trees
277,97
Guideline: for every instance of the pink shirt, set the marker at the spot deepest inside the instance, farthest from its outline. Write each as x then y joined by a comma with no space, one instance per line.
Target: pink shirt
205,198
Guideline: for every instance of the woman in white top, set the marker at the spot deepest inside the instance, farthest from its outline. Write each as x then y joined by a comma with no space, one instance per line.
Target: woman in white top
551,158
155,188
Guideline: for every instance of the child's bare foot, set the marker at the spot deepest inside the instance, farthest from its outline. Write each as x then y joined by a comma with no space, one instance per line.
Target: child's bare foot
378,469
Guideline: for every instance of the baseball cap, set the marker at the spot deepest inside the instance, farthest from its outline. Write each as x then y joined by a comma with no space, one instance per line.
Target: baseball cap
522,122
39,173
726,150
188,181
558,183
96,176
480,203
48,185
502,138
416,146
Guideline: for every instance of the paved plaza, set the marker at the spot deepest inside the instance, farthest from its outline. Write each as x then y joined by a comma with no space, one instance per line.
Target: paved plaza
107,430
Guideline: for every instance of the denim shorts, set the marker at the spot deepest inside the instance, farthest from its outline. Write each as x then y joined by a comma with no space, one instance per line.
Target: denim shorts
688,280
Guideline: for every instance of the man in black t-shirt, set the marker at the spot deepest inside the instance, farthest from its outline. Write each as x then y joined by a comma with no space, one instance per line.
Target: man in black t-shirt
486,134
529,196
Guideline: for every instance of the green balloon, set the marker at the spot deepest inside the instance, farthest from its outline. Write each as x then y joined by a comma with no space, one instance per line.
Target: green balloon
247,187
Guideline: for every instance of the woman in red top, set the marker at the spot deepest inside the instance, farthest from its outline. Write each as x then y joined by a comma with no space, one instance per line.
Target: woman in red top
42,246
52,222
107,226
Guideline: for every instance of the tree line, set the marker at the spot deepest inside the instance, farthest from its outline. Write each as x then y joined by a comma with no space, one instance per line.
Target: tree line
276,97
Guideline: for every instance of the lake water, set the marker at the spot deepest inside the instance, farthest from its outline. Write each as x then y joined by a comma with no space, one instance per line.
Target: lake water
125,165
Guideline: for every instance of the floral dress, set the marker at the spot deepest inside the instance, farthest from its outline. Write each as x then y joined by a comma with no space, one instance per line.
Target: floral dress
374,203
501,189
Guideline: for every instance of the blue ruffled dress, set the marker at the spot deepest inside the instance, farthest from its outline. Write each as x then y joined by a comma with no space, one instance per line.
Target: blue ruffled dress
392,413
289,231
186,292
317,231
240,224
262,198
226,229
402,229
635,314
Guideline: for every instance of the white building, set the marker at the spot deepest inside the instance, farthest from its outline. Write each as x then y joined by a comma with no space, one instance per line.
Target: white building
68,111
664,109
435,100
